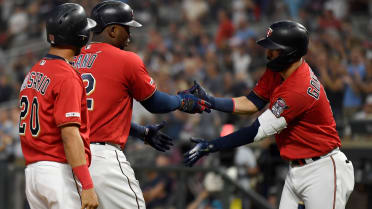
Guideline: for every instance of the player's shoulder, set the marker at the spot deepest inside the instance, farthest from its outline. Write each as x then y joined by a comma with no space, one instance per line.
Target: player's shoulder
303,82
300,79
131,56
53,66
61,70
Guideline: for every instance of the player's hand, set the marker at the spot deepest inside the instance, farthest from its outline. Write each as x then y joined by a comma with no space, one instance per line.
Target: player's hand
201,148
157,139
192,104
198,91
89,199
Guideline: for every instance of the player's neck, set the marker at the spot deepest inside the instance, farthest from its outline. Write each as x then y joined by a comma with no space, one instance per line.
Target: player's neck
286,73
66,53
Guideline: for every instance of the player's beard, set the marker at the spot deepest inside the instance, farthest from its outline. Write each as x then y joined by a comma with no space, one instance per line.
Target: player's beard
125,43
276,64
126,40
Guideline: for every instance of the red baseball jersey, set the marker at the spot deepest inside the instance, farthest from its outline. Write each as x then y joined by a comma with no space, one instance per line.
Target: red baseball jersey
302,101
52,95
112,78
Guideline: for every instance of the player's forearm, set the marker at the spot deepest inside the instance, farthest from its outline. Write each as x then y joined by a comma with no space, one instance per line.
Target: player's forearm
244,106
75,155
161,102
267,124
73,145
241,137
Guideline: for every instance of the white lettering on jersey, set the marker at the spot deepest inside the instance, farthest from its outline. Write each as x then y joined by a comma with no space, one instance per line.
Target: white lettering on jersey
37,81
72,114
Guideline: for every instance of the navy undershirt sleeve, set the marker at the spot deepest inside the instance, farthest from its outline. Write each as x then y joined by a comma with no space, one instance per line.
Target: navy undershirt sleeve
256,100
222,104
161,102
137,131
238,138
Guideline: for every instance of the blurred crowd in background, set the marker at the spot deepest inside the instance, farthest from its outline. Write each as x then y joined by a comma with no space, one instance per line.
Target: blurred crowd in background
214,43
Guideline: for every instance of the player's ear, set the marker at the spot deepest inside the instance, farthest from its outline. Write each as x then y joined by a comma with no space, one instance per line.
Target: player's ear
112,31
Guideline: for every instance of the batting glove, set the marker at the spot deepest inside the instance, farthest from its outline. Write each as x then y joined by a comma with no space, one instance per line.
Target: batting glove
201,149
192,104
198,91
157,139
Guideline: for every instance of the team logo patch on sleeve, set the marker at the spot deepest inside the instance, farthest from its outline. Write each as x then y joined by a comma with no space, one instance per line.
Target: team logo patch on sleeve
72,114
152,82
278,108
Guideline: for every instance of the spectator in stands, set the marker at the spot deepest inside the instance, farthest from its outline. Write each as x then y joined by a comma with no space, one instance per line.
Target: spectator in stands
5,150
158,189
294,7
332,73
329,21
365,87
207,198
356,71
18,22
194,9
6,90
225,29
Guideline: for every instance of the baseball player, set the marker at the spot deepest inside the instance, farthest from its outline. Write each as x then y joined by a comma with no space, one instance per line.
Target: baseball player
300,117
54,118
113,77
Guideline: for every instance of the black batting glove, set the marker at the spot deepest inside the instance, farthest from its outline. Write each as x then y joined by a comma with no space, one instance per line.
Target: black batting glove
157,139
192,104
198,91
201,149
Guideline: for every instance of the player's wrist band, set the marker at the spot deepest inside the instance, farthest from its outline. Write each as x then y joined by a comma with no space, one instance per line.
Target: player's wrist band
82,173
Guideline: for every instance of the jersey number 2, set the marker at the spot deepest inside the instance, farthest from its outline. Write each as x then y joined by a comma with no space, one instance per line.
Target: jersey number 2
90,86
34,117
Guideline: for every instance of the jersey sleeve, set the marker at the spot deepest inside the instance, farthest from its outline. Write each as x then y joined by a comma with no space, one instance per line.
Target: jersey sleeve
264,86
67,105
290,105
142,86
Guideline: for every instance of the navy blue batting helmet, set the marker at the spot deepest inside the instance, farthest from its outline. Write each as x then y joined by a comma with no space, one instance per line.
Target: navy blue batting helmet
113,12
291,38
68,24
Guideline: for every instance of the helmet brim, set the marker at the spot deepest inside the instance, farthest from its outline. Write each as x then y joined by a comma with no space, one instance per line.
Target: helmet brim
269,44
91,24
133,23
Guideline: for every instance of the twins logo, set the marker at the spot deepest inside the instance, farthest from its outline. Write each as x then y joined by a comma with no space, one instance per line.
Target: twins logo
278,108
269,32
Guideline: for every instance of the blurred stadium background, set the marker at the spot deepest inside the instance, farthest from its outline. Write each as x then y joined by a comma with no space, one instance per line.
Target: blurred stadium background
212,41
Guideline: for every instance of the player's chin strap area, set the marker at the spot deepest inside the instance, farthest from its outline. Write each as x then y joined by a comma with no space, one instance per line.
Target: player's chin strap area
269,125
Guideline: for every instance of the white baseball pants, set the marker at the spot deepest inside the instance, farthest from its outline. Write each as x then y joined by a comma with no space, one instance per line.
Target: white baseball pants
325,183
51,185
114,179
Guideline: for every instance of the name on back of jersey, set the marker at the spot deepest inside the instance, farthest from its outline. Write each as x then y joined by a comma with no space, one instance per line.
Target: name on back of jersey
84,60
37,81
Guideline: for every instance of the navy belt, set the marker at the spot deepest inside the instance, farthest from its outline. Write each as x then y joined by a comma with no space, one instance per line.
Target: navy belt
300,162
100,143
